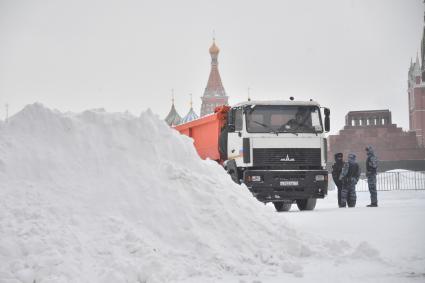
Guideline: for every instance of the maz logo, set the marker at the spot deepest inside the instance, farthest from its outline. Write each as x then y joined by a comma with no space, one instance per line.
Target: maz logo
287,158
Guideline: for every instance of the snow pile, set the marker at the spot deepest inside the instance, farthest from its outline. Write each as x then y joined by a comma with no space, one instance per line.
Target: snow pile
101,197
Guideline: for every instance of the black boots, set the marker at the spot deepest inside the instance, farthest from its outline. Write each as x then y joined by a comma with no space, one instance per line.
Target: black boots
372,205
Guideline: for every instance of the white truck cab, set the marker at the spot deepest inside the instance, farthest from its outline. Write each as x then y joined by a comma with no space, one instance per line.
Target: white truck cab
279,149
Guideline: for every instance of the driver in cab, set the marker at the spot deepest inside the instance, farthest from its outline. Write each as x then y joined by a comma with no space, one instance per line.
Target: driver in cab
299,122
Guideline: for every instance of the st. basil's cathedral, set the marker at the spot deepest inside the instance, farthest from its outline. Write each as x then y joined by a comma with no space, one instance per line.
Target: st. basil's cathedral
214,94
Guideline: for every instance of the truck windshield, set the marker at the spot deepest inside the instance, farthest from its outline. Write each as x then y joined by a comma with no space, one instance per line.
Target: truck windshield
283,119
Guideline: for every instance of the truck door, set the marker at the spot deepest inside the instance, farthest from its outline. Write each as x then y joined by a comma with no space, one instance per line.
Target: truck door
234,141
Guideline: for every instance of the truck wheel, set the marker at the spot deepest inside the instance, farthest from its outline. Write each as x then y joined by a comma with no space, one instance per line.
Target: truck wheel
282,206
306,204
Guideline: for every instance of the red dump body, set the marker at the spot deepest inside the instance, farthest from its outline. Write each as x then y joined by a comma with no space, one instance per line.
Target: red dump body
205,132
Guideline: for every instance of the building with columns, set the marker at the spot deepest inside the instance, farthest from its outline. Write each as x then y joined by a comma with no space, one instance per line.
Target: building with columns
368,118
375,128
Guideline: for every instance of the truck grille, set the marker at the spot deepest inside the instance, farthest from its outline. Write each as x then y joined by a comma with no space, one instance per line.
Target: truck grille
288,158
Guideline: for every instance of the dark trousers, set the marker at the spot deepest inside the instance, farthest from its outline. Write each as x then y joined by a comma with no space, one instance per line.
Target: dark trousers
339,188
371,181
348,195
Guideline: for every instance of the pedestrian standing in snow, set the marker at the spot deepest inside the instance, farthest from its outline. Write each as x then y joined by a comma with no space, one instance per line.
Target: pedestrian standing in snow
336,172
371,170
349,177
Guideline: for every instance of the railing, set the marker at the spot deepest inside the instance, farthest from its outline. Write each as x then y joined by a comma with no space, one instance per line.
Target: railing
390,181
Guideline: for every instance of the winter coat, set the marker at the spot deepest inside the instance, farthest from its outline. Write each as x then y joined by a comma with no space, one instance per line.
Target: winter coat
371,162
337,168
350,172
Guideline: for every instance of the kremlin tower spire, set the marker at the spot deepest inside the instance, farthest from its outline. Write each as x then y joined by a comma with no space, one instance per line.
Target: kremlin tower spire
417,67
416,94
423,50
214,94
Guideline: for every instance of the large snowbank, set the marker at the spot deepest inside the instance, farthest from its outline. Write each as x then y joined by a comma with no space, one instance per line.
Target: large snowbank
109,197
98,197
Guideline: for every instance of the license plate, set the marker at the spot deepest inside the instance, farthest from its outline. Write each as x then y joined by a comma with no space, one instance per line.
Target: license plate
289,183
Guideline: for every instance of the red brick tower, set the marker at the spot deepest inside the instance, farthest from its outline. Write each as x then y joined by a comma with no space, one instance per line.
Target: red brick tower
423,50
214,94
416,90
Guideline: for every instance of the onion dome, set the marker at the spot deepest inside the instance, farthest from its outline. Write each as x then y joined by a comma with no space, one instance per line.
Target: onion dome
190,116
173,118
214,48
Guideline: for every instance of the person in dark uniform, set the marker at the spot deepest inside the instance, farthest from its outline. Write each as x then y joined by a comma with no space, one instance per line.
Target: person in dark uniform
336,172
349,177
371,170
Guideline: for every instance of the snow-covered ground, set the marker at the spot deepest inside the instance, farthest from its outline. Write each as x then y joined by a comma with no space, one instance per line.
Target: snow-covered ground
392,234
109,197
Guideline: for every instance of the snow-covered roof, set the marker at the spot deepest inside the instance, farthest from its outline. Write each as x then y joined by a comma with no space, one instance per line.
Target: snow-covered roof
278,102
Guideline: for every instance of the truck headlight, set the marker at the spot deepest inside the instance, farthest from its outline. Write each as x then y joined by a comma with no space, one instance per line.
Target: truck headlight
320,178
254,178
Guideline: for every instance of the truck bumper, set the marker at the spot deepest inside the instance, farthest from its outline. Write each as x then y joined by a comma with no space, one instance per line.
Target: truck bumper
280,185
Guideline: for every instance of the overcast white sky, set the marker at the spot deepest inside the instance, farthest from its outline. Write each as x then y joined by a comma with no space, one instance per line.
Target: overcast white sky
127,55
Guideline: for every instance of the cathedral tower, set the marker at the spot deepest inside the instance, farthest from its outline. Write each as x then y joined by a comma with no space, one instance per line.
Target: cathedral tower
214,94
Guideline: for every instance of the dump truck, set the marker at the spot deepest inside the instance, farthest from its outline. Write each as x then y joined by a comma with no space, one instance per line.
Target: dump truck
278,149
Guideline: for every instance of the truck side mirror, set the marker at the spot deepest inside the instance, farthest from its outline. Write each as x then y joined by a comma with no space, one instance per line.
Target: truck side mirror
327,120
231,121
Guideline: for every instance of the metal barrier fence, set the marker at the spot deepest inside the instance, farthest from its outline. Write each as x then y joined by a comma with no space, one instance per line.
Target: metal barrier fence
390,181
